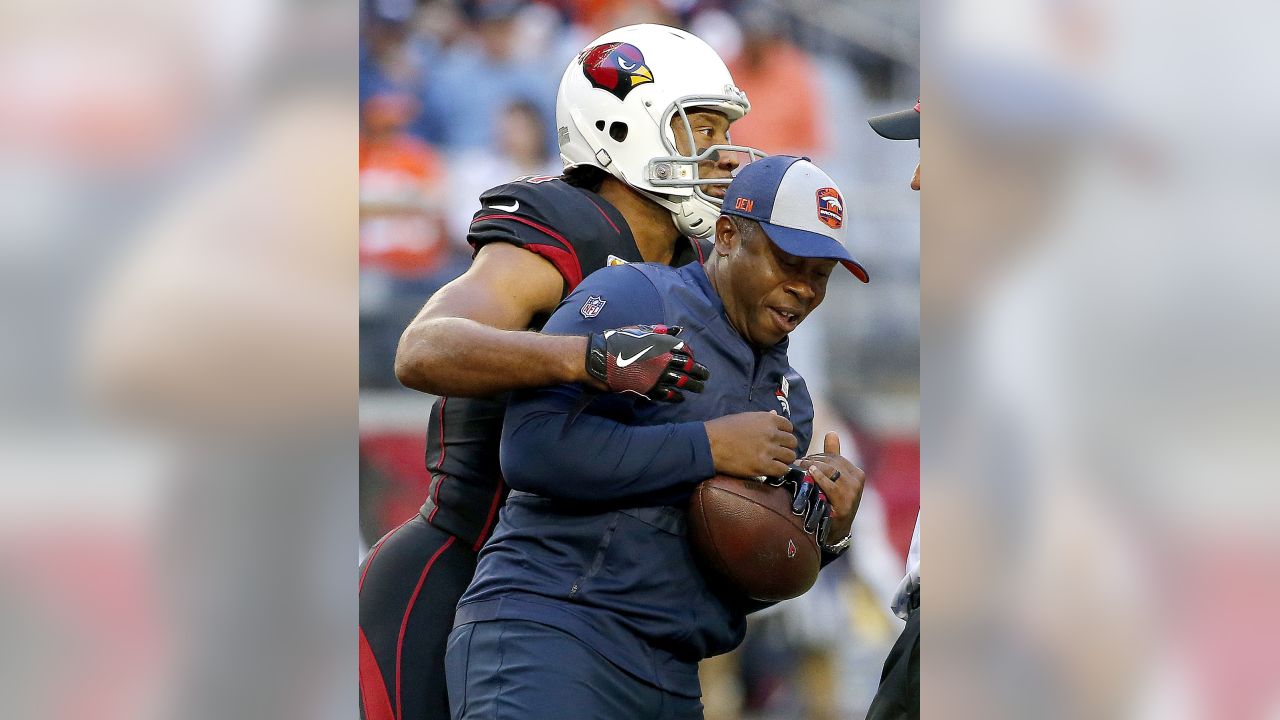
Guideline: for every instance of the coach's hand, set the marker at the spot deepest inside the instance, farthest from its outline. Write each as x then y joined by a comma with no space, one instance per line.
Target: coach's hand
840,484
751,444
647,360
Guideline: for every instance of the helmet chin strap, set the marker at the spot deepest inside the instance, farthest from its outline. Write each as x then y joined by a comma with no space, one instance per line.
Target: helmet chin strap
694,217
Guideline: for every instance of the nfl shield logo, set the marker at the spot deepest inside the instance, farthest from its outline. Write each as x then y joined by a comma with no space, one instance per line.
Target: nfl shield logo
592,306
791,548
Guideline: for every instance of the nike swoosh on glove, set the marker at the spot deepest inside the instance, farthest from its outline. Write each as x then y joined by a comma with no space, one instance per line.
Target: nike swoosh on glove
648,360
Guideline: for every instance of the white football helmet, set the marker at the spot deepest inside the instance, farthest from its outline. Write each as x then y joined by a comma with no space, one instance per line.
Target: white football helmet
614,111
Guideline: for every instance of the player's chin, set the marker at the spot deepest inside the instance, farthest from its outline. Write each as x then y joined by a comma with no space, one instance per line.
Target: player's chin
767,332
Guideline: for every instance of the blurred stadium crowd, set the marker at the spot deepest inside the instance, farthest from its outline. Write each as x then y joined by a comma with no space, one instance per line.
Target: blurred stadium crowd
456,97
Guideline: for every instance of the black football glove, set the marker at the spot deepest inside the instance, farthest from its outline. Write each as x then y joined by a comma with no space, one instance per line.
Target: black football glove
807,500
793,478
647,360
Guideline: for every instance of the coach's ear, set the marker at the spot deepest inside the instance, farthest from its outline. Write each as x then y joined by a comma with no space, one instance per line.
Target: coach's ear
727,236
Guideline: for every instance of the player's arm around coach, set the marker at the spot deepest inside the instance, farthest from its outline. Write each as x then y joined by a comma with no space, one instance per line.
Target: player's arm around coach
469,339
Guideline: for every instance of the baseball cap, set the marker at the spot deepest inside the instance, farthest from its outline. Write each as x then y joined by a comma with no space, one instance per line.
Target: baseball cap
797,204
901,125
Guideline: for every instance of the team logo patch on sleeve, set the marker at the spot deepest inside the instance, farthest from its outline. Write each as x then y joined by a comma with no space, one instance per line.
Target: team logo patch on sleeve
830,207
592,306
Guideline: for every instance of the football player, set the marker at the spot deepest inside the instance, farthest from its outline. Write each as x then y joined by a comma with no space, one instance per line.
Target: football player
642,118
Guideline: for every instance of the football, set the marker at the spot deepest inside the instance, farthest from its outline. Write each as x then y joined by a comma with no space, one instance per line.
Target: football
745,532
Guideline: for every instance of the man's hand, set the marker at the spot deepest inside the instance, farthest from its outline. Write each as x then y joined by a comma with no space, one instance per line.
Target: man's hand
840,485
647,360
751,444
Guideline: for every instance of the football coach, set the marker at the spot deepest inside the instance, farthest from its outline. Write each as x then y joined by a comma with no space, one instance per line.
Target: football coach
587,602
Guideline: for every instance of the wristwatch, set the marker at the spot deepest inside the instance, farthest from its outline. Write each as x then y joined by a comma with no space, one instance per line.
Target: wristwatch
839,547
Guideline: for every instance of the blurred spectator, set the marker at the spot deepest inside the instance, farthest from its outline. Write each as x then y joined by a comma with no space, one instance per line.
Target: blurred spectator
400,184
782,83
466,91
392,55
404,253
520,151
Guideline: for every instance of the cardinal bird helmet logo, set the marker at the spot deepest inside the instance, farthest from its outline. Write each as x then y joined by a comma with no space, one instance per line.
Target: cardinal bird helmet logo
616,67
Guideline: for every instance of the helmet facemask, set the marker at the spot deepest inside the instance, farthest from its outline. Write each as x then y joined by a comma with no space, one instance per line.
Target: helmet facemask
695,213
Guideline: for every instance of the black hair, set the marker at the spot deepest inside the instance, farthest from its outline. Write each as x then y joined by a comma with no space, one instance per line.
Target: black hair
586,177
746,227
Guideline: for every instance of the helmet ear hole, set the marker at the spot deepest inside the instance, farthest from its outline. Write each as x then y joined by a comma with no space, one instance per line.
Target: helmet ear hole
600,125
618,131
